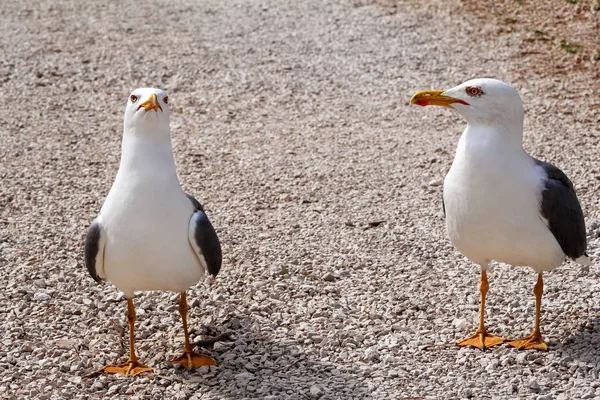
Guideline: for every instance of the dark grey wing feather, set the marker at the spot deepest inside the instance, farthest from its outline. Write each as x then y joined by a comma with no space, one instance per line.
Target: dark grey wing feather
93,246
204,239
562,210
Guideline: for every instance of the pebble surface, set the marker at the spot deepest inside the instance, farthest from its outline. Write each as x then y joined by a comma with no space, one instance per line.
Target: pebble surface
291,123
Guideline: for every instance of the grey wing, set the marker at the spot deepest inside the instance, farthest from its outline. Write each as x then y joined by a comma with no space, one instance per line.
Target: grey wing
94,251
204,239
562,210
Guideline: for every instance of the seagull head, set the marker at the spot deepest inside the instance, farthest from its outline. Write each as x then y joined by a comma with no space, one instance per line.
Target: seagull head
481,101
147,113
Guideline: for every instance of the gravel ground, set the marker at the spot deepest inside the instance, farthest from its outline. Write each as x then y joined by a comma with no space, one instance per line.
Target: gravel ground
291,124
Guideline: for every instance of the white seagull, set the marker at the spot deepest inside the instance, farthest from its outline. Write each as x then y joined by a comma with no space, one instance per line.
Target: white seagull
500,203
150,234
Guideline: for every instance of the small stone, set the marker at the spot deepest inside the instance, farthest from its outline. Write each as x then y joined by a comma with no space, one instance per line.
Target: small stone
435,182
492,366
467,393
66,344
315,338
98,385
39,283
328,278
564,362
244,378
203,370
41,296
44,361
506,360
234,323
534,386
316,391
26,348
591,394
113,389
460,323
389,359
545,397
372,355
221,346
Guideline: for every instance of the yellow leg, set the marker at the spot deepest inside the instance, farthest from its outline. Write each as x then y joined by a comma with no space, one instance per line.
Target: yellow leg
189,359
482,339
132,367
534,341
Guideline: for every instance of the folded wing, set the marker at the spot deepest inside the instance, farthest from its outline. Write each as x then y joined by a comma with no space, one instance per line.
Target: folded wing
562,212
94,251
204,239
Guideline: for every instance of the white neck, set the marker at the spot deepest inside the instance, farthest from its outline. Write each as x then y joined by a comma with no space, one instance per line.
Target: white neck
149,159
506,137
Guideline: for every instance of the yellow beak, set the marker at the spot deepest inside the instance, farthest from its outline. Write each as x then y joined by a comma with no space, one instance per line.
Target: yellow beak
434,98
151,104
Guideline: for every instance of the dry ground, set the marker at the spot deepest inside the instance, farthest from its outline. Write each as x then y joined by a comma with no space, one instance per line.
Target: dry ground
291,123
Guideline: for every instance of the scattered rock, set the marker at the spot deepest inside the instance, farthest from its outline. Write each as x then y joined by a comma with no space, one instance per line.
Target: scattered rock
316,392
290,124
534,386
244,378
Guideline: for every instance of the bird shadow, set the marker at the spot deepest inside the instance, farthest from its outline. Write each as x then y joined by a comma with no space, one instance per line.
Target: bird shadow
583,343
252,364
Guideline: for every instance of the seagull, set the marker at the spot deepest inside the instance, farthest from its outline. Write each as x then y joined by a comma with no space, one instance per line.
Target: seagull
150,234
500,203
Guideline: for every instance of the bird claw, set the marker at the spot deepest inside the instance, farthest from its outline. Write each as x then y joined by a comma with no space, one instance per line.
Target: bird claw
191,360
129,368
481,340
531,342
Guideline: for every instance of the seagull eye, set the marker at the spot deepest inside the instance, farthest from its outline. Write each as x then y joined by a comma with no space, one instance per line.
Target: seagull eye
166,99
474,91
133,98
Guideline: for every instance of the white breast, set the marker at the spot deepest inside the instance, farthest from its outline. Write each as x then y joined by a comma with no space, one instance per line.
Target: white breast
146,218
492,198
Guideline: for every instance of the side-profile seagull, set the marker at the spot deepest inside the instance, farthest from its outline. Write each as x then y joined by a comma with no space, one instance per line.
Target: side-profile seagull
150,235
500,203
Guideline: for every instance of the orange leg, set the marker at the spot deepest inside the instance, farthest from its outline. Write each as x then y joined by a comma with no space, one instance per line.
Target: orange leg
534,341
189,359
482,339
132,367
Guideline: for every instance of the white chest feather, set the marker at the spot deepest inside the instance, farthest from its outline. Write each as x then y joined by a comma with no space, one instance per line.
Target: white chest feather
146,218
492,197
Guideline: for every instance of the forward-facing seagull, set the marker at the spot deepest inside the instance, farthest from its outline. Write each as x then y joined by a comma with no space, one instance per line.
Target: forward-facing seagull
500,203
150,235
